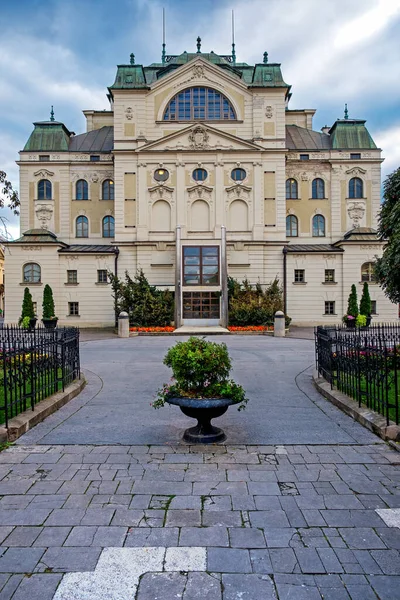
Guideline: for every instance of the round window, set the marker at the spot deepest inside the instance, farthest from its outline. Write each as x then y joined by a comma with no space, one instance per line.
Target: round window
199,174
161,174
238,174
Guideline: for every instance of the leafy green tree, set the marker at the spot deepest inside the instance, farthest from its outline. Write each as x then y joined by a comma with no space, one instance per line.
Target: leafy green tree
48,303
27,306
9,193
352,304
387,268
365,302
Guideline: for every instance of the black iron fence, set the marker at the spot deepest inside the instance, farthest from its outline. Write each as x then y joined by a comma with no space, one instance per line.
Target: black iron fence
362,363
35,364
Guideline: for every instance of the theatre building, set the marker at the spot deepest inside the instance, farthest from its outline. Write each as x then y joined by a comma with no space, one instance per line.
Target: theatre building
198,170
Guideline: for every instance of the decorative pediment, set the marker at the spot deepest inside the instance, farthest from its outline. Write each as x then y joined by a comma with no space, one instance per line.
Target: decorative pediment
356,172
199,192
160,191
238,190
200,138
44,173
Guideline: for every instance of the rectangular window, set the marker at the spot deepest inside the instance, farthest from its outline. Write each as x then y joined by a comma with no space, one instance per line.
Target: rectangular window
73,309
201,305
72,276
94,158
355,156
299,276
329,275
102,276
373,307
200,265
304,157
44,157
329,307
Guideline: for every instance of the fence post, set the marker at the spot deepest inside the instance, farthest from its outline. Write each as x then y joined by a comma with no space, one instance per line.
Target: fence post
279,324
123,325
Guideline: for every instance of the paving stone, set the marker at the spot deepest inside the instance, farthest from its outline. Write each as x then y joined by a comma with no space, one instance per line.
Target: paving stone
5,532
335,593
142,501
65,516
279,537
248,587
269,518
38,587
283,560
64,560
29,516
78,501
363,592
260,561
157,536
390,536
222,518
20,560
128,518
386,588
185,559
169,585
296,592
10,587
243,503
109,536
246,538
228,560
388,561
22,536
329,560
217,503
98,516
362,538
81,536
309,561
183,518
163,487
220,488
267,503
52,536
263,488
202,586
367,562
204,536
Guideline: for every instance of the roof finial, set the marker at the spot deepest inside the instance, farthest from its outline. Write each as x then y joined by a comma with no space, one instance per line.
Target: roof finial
52,114
265,58
132,57
198,45
233,39
163,44
346,112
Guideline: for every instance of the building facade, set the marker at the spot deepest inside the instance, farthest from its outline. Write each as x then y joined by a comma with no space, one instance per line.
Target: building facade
199,170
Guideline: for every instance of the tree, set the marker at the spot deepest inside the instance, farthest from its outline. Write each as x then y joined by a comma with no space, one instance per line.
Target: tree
387,268
352,305
9,193
27,306
48,303
365,302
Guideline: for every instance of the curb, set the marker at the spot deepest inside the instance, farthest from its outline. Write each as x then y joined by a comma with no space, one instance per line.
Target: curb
20,424
368,418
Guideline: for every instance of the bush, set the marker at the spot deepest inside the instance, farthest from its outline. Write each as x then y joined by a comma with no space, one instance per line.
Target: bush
200,370
352,305
145,304
251,305
48,303
25,322
27,306
365,303
361,320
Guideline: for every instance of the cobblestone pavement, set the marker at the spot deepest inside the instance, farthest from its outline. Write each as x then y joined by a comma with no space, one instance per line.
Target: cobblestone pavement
301,522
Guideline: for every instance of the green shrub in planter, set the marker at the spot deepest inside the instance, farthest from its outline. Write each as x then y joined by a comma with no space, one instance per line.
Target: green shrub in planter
200,370
27,306
361,320
352,305
365,303
48,303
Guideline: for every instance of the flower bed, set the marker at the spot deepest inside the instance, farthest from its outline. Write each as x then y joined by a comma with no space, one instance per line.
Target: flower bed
244,328
166,329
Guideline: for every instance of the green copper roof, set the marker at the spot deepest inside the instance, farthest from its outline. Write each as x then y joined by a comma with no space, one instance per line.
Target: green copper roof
48,136
129,77
351,134
38,236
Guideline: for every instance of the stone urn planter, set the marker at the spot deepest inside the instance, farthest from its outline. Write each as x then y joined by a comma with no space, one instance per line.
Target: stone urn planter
32,323
204,410
201,387
50,323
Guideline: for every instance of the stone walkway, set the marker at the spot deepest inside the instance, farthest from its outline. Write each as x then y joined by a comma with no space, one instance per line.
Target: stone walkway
307,520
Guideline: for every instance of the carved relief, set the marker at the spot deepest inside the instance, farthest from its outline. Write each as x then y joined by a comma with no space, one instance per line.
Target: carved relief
32,248
200,192
198,138
44,173
44,213
198,71
160,191
269,113
356,172
94,177
129,113
238,191
356,212
304,176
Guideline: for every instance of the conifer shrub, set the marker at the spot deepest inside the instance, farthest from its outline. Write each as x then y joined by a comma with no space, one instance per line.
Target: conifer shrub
365,303
27,307
352,304
48,303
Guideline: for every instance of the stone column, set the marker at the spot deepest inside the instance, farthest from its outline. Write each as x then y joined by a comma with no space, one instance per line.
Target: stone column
123,325
224,279
279,324
178,269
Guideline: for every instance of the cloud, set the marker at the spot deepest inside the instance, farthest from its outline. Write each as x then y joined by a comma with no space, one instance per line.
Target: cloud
389,140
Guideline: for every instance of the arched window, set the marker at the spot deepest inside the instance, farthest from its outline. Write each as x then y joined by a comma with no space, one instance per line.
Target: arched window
291,189
368,272
199,104
32,273
108,227
44,189
355,188
238,216
292,226
199,174
82,190
108,189
82,227
161,216
318,226
318,188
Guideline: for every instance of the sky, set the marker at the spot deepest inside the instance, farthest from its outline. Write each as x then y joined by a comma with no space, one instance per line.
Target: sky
64,53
